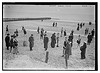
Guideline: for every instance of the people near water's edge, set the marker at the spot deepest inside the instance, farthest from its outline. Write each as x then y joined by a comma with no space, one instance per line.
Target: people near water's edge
53,40
83,50
31,42
46,40
7,29
54,24
57,39
78,27
7,41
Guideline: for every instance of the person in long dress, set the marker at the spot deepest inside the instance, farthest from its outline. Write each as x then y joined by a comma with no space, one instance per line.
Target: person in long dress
46,40
7,41
31,42
83,50
53,40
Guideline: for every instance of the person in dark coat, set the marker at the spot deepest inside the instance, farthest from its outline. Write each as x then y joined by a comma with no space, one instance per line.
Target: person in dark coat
53,24
57,39
53,40
78,27
46,40
92,33
31,42
11,43
89,38
83,50
38,30
65,33
7,41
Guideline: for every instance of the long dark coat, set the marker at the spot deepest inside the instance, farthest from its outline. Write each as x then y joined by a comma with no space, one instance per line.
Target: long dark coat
31,41
7,40
83,51
46,40
53,41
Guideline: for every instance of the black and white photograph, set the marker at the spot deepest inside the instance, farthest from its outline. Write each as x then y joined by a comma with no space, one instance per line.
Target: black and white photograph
52,36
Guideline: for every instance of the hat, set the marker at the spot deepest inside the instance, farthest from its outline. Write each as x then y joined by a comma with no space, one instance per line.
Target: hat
8,34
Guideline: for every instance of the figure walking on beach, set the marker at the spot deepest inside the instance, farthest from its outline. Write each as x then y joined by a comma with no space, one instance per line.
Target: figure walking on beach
7,29
78,27
65,33
42,32
61,31
31,42
78,41
66,50
38,30
46,40
15,49
53,40
57,39
83,50
7,41
89,38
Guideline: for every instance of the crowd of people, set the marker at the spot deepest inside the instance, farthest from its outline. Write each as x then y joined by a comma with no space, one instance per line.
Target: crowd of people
67,45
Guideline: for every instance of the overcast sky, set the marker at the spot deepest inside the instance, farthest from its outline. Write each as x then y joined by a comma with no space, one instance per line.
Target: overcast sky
63,11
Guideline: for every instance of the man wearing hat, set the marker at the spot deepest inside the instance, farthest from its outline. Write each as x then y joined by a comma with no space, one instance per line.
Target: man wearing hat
83,50
7,40
31,42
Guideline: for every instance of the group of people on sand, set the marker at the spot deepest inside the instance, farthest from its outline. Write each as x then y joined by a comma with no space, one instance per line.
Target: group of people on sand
11,42
67,45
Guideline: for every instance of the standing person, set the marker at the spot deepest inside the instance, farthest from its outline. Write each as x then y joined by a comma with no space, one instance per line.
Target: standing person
56,24
38,30
15,49
41,35
92,33
86,31
31,42
83,50
53,24
7,40
57,39
11,43
46,40
65,33
61,31
16,33
89,38
78,41
7,29
78,27
66,51
53,40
